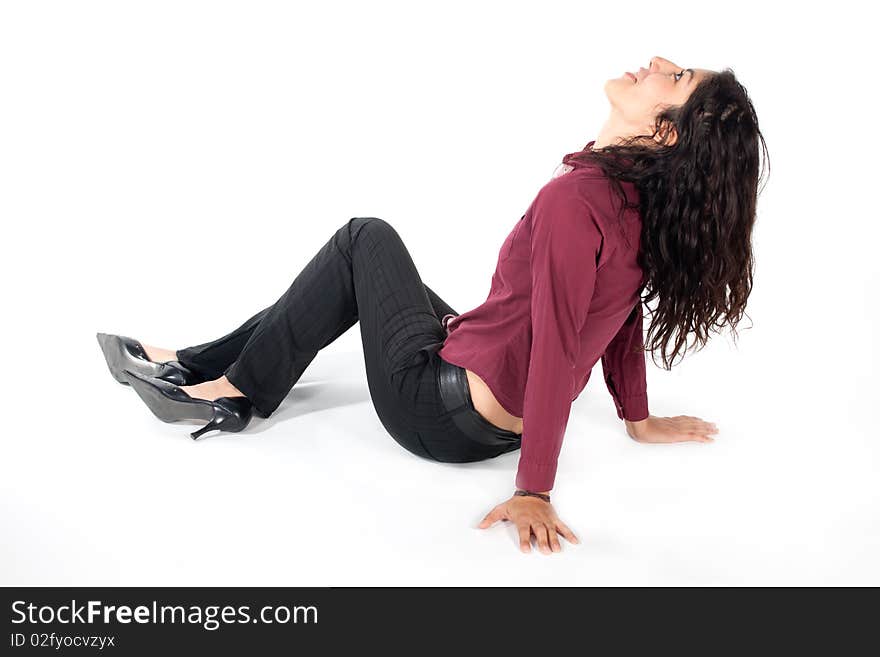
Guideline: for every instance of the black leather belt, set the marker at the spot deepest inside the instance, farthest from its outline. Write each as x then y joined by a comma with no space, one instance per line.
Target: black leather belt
456,395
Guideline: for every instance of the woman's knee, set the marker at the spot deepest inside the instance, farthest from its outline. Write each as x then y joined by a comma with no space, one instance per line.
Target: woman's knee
370,225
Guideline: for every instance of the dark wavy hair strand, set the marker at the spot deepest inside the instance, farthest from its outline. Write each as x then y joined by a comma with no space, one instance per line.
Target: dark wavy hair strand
697,198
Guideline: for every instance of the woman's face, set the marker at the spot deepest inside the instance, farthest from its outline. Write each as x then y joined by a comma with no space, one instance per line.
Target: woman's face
640,96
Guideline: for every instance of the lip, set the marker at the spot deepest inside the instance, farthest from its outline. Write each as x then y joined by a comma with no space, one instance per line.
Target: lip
634,78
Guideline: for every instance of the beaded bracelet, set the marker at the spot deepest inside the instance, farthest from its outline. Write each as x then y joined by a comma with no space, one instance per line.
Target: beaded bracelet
544,497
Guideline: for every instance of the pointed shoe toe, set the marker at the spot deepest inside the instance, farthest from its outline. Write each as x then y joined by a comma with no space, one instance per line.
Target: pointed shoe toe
123,353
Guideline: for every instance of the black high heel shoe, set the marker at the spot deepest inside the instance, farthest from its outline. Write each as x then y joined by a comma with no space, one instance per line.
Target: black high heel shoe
169,403
122,353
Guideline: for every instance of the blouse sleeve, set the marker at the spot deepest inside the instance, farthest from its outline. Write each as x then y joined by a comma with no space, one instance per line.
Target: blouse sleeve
565,247
623,365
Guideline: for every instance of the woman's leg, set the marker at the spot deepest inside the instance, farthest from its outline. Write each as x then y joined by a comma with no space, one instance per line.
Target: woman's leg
212,359
439,305
363,273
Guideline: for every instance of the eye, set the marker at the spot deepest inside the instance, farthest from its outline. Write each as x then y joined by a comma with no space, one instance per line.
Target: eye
679,74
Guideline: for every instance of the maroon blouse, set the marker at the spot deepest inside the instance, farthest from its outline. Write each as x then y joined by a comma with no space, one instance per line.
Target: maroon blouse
564,294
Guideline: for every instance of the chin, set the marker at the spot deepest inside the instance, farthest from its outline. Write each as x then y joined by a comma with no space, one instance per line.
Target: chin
608,88
617,83
613,89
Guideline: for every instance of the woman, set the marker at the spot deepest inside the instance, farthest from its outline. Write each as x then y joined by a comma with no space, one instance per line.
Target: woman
679,151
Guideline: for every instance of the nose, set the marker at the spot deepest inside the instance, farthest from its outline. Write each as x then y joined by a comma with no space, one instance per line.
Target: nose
656,64
661,63
653,65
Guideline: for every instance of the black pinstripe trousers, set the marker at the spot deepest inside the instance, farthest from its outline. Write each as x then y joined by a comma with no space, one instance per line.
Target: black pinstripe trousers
364,273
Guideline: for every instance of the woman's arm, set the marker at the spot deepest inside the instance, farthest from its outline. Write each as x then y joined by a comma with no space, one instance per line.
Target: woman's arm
564,240
623,365
565,243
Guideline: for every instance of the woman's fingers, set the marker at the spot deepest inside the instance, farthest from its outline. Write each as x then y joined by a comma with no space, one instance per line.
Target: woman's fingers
542,534
547,535
565,531
525,537
705,430
543,523
492,517
705,426
554,539
680,428
694,426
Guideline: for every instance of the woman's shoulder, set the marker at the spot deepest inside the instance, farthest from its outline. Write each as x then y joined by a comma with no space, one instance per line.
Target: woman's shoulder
590,175
589,199
591,184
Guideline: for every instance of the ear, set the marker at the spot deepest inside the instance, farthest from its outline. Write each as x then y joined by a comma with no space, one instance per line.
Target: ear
667,135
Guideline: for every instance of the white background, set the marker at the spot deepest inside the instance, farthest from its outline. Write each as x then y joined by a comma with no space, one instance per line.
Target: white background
166,169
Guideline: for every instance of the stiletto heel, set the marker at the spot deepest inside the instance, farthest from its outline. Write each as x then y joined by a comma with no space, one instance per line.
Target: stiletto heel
170,404
230,414
123,353
208,427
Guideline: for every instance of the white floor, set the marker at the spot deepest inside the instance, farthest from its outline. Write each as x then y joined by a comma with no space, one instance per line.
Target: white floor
320,495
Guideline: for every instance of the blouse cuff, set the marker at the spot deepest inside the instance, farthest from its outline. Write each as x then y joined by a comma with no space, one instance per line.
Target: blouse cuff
633,407
535,476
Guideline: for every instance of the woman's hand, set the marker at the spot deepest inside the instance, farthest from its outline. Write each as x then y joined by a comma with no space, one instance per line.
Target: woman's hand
678,429
531,515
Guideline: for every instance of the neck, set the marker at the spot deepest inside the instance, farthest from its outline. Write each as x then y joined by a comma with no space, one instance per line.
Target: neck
615,130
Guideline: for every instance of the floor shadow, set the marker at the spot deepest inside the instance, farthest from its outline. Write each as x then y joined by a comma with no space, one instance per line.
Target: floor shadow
307,398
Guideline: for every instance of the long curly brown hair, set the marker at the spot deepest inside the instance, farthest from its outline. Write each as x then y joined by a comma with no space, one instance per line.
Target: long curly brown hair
697,199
